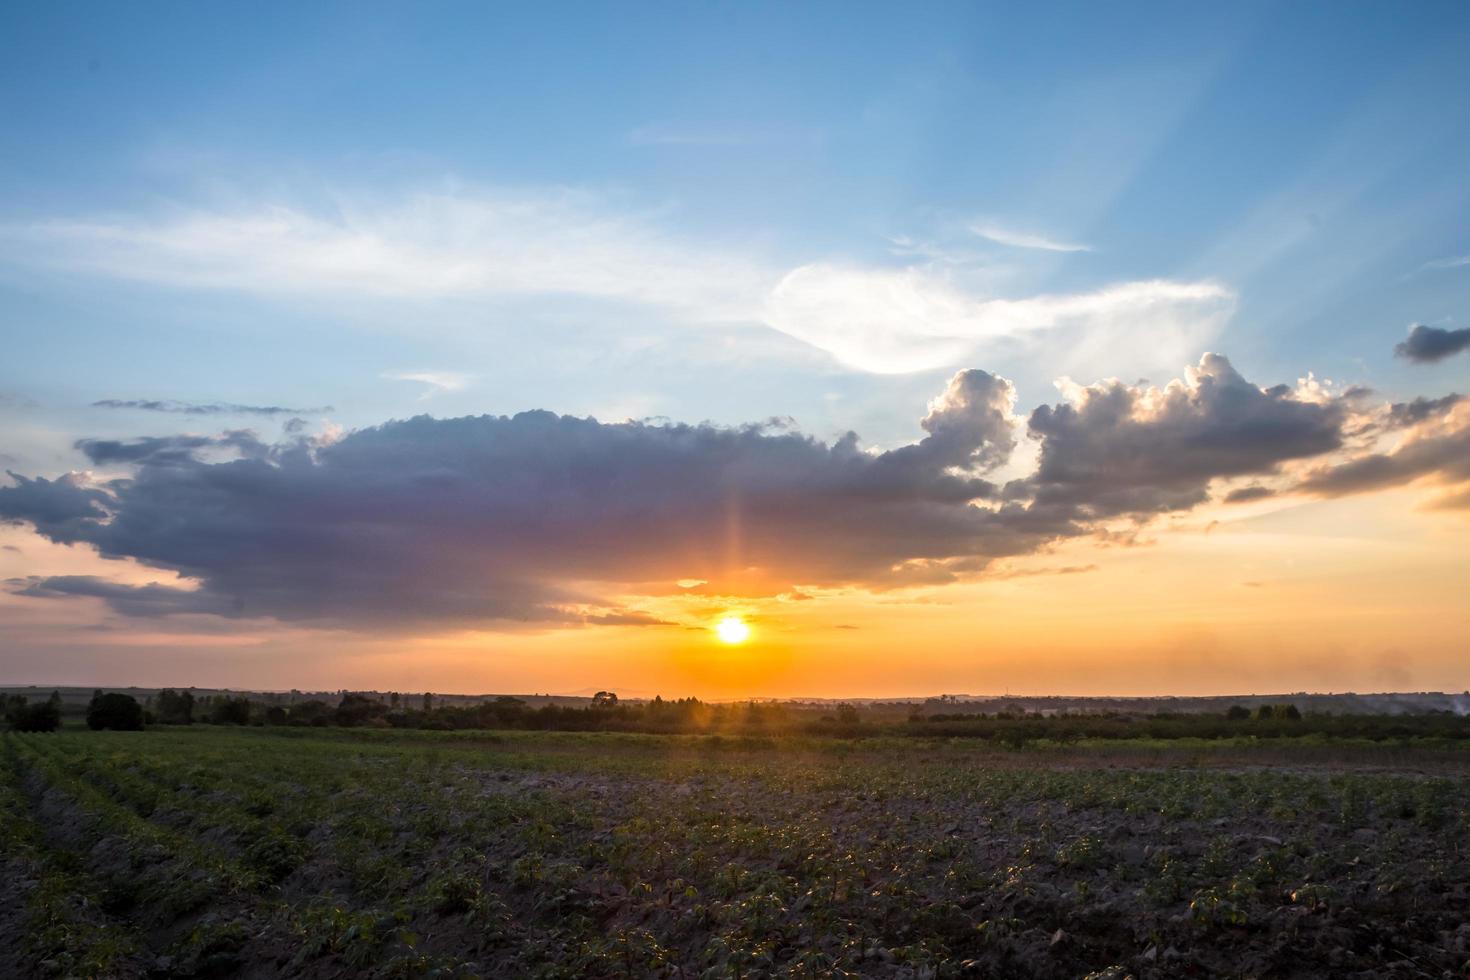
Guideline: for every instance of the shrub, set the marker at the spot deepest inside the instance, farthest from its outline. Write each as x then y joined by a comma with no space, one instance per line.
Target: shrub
119,712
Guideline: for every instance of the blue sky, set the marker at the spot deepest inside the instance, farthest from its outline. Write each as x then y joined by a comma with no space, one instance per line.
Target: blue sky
1307,159
916,222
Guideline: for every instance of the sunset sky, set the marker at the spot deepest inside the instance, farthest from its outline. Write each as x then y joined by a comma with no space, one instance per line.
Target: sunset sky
939,348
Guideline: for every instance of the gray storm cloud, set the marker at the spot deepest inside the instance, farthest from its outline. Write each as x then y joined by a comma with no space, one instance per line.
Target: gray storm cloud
1123,449
475,520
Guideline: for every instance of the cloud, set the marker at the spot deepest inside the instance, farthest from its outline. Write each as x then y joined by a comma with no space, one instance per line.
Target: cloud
896,321
537,517
475,244
1011,573
61,509
1425,345
626,619
1020,239
1450,262
1243,495
483,519
1441,453
435,381
971,425
443,243
1117,449
205,408
1458,500
1411,413
164,450
129,600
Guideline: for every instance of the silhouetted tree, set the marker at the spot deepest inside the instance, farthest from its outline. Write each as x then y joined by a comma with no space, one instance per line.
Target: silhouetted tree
359,709
604,699
1238,712
40,716
230,711
313,712
119,712
173,708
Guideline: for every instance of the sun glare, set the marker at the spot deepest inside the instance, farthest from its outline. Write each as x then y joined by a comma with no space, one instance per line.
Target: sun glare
732,630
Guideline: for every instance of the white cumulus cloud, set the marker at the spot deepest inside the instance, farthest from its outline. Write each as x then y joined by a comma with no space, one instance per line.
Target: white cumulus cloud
893,321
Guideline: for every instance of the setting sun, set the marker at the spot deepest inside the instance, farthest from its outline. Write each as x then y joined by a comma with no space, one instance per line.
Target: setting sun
732,630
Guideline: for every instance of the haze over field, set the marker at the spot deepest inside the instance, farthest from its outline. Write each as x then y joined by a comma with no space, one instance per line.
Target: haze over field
757,351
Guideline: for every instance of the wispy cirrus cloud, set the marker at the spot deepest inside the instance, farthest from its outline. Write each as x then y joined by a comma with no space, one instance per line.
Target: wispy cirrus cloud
435,382
1020,239
1448,262
431,244
468,244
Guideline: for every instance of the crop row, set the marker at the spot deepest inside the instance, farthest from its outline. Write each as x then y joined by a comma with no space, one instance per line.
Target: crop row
197,852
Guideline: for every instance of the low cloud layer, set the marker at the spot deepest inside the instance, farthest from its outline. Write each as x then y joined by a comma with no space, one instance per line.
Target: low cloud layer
541,518
1441,454
1426,345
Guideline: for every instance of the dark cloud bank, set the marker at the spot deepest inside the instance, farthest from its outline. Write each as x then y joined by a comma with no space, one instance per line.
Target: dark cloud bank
1425,345
537,517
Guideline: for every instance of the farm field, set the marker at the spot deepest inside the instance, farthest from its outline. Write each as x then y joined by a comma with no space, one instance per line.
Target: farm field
215,852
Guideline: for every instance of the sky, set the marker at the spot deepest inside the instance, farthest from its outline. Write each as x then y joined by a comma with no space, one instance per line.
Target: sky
954,348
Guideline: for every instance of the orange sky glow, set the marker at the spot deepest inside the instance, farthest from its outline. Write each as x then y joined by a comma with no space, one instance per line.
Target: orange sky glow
1364,593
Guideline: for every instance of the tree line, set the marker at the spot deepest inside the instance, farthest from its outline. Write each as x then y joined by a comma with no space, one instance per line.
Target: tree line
607,713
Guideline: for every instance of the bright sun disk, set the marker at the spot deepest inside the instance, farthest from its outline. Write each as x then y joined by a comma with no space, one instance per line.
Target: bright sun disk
732,629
